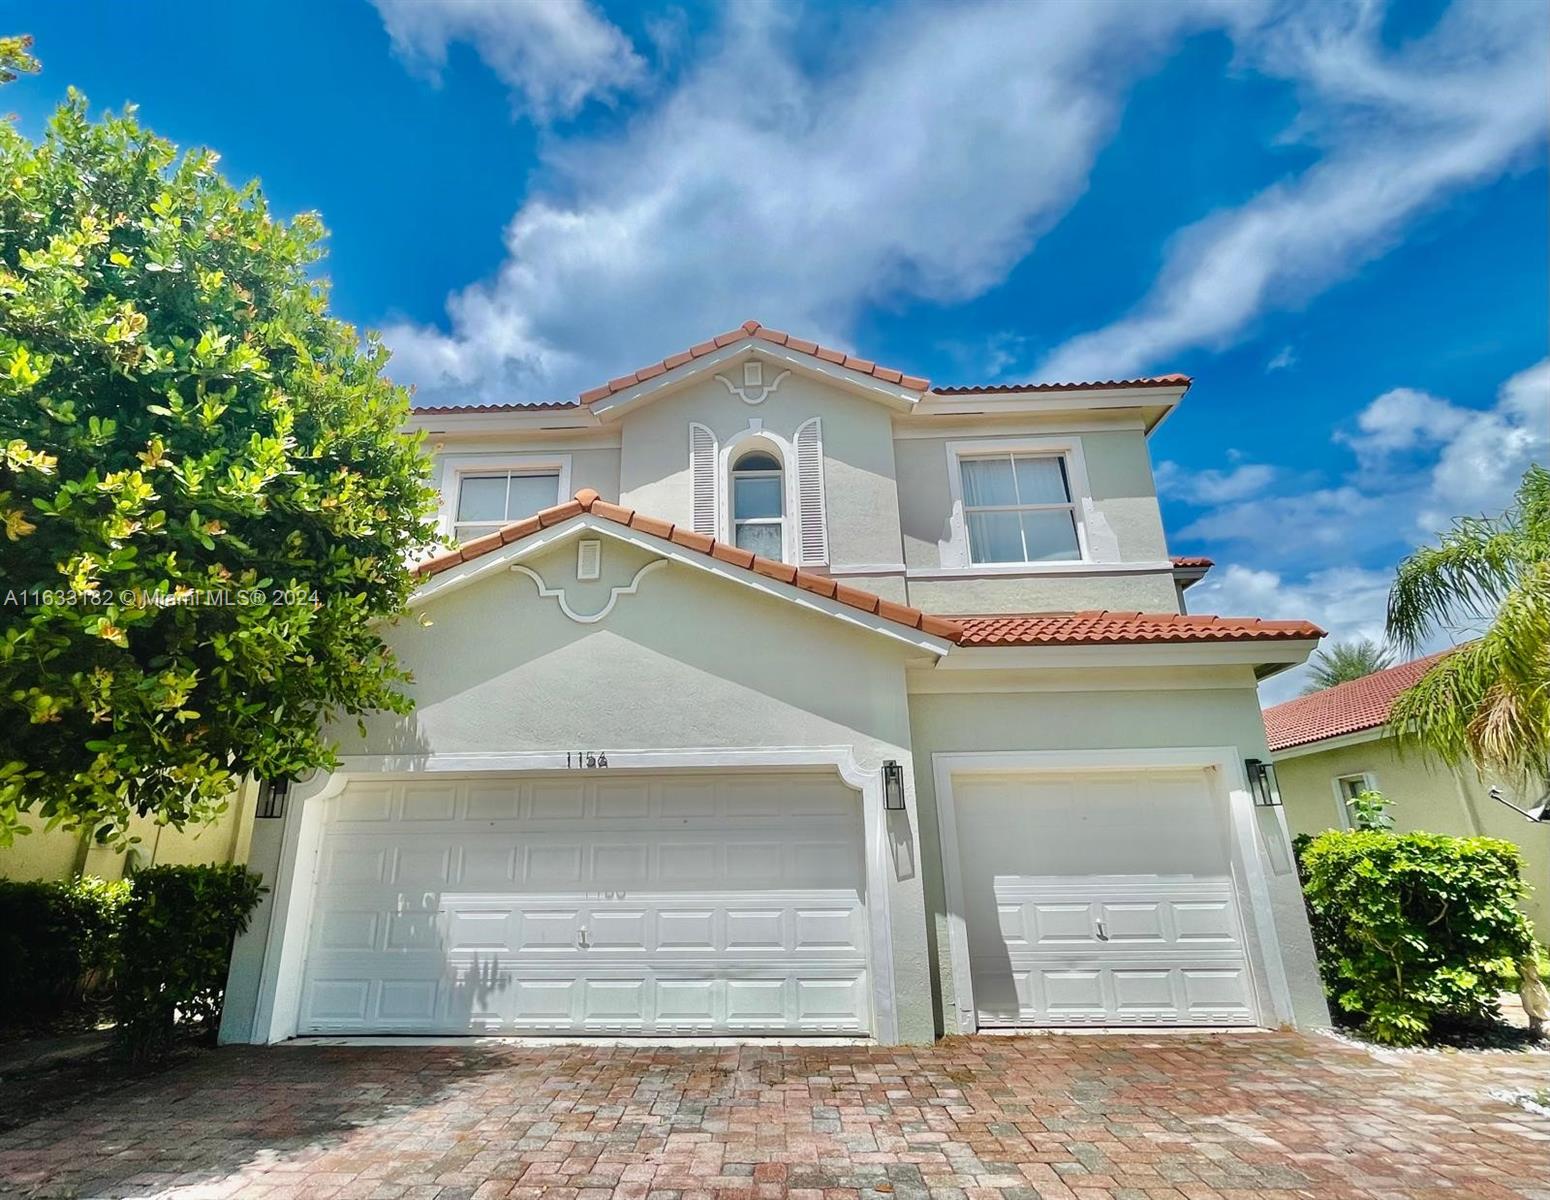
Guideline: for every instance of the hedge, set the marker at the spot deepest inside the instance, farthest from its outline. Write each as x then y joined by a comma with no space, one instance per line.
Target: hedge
158,943
174,949
1414,927
56,944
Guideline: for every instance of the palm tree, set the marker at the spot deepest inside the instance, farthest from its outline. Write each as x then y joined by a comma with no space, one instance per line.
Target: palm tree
1489,700
1345,661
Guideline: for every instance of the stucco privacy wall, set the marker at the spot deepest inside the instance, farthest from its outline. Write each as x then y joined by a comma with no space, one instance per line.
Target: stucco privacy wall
689,661
1058,719
1426,795
64,854
859,483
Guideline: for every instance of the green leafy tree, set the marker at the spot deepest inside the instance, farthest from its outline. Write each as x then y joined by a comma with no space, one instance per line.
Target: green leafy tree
207,505
1345,661
16,57
1487,702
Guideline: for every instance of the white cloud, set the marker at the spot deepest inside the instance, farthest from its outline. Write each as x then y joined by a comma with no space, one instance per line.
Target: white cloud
1282,359
1403,129
1483,462
1347,602
803,188
1424,460
1403,419
762,185
556,54
1212,486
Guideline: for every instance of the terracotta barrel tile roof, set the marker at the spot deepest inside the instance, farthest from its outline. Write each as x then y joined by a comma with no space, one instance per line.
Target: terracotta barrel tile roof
752,330
589,501
1091,385
1103,628
1345,708
1193,561
1009,629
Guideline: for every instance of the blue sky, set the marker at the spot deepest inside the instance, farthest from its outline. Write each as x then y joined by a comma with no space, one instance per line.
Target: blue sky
1332,215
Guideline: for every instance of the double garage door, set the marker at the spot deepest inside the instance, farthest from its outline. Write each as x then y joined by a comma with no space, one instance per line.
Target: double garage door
1098,898
591,904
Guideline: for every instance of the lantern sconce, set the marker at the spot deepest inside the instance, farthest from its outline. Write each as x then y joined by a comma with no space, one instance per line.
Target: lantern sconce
272,794
1262,782
893,786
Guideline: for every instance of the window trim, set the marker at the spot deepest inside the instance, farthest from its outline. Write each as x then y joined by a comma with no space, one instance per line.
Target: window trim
955,551
456,467
1342,813
752,440
778,474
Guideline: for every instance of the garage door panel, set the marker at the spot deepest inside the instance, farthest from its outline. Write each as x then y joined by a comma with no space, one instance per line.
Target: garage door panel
1092,945
554,922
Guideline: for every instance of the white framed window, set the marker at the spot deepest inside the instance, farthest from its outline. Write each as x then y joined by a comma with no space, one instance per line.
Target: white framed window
486,500
1348,788
759,504
550,476
1018,508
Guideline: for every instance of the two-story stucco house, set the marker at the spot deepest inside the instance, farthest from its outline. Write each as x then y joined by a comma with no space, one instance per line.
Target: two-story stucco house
773,691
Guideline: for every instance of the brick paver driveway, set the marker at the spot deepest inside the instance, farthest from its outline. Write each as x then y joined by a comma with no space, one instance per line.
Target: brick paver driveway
1134,1116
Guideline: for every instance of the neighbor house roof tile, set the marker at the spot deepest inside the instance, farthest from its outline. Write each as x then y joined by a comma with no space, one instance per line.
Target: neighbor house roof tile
1346,708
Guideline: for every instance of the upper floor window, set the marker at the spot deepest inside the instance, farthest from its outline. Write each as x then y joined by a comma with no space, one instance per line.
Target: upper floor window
1018,508
488,500
758,504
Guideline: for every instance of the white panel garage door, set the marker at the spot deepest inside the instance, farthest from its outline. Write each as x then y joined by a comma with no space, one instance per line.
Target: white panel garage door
596,904
1102,898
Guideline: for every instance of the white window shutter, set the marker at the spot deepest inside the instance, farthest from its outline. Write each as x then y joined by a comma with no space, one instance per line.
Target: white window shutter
702,471
812,523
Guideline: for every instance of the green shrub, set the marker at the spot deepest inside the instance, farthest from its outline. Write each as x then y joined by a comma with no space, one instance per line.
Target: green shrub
57,943
174,950
1416,926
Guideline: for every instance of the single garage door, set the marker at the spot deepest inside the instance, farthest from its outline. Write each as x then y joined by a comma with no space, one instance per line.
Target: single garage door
1100,898
591,904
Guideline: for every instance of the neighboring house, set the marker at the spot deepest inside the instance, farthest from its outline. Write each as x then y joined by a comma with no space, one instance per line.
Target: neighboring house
1333,744
67,854
774,691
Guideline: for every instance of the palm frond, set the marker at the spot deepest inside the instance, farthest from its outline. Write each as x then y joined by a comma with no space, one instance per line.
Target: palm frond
1345,661
1488,702
1474,566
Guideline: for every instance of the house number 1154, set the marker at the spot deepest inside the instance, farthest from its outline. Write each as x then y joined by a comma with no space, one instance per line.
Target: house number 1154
583,760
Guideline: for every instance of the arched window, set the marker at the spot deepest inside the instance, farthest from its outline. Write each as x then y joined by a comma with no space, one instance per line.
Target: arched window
758,504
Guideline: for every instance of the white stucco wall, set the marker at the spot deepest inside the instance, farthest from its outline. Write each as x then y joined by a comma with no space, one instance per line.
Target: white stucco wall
690,662
859,482
887,490
1067,718
1119,474
1044,593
